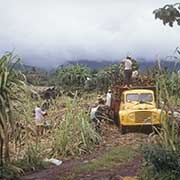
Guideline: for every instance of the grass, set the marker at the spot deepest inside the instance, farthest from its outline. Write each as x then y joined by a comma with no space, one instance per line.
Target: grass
74,135
115,156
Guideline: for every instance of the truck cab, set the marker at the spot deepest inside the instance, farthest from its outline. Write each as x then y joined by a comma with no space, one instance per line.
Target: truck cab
138,107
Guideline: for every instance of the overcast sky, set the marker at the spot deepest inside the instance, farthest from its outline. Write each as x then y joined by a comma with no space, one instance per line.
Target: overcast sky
48,32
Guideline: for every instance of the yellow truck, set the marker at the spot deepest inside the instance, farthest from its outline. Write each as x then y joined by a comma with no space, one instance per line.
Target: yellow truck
136,107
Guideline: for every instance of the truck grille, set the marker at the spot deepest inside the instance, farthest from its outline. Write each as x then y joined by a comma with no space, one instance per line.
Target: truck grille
143,116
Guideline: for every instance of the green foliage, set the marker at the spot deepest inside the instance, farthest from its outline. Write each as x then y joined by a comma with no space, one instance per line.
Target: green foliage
33,158
135,65
72,77
37,77
90,84
161,163
168,82
109,76
78,77
75,134
103,81
162,160
168,86
169,14
148,172
15,113
11,83
10,170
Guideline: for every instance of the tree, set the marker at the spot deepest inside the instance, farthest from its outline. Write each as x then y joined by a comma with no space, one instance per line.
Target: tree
169,14
72,77
109,76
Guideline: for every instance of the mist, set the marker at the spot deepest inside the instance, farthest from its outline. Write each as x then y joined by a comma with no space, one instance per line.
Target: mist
47,33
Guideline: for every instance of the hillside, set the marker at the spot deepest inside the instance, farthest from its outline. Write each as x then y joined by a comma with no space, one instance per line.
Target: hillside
142,64
25,67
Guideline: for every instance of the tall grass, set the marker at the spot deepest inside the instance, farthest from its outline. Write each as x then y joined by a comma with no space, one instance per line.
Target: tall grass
162,159
15,121
74,135
11,82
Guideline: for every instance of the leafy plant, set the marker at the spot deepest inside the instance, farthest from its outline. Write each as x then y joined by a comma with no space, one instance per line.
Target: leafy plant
169,14
33,158
162,160
11,82
109,76
74,135
72,77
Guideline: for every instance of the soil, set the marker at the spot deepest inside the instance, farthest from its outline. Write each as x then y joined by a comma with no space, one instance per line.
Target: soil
64,172
111,137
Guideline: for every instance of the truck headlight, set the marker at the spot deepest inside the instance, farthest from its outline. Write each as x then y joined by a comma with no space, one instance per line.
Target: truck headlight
131,116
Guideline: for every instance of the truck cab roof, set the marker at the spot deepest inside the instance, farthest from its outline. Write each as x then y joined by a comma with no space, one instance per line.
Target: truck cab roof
138,91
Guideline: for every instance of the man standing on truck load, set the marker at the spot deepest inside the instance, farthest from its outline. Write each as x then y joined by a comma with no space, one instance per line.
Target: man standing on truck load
127,71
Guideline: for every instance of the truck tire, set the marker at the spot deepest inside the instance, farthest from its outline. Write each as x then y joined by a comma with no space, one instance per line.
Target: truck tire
116,119
122,129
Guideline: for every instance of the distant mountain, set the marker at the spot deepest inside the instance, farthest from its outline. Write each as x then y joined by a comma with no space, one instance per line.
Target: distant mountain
143,64
25,68
92,63
170,65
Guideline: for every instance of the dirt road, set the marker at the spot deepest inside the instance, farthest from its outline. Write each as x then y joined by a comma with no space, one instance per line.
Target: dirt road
117,155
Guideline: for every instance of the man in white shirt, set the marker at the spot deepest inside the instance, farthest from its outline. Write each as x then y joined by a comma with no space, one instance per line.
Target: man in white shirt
39,120
108,98
127,71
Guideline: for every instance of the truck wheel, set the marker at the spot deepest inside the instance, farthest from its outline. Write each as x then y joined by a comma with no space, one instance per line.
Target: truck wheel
122,129
116,119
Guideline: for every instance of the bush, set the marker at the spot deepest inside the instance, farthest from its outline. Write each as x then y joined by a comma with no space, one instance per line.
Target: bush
161,163
162,160
10,170
71,77
33,158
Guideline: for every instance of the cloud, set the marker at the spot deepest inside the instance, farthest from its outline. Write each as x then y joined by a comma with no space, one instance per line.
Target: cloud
49,32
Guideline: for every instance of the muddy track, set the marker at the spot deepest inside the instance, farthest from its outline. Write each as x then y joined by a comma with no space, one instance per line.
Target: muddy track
130,169
65,170
110,138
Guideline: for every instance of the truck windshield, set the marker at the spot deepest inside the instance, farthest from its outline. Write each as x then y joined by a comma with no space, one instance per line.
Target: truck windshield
143,97
146,97
132,97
